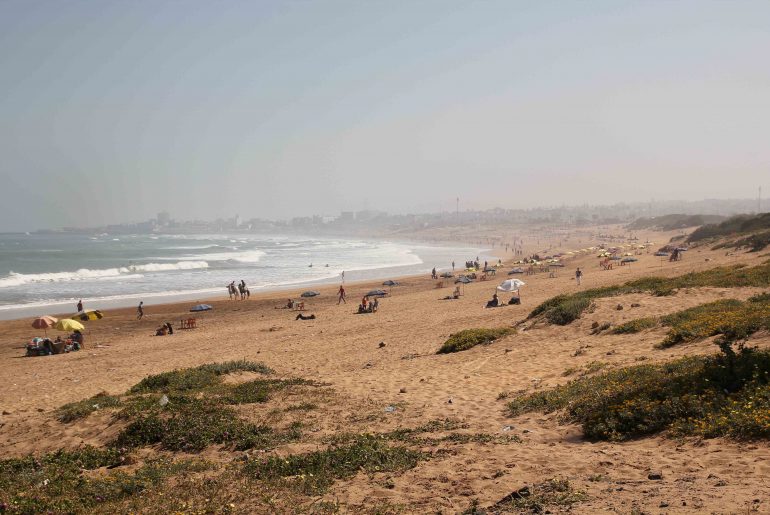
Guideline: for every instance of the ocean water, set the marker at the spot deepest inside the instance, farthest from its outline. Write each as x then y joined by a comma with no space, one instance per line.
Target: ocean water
48,273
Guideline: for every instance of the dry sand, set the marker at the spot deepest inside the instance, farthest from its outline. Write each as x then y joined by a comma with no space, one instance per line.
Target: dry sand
342,349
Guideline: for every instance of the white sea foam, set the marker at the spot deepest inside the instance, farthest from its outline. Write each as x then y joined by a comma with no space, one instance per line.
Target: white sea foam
85,274
247,256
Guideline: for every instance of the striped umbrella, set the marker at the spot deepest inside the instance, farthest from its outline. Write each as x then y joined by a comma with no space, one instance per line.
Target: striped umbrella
85,316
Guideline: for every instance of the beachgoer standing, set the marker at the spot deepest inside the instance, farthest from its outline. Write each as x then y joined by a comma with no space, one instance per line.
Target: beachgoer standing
453,266
341,297
578,276
343,276
140,310
80,305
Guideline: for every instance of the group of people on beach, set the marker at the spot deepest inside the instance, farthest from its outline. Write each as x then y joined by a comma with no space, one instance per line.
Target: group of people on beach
239,291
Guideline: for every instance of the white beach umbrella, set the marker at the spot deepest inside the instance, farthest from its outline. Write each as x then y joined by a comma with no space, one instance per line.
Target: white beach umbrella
511,285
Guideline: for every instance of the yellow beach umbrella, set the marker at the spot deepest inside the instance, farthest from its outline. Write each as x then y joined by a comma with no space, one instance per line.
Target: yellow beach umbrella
68,325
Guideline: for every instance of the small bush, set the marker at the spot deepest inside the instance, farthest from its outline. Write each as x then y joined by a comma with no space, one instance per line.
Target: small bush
567,311
635,326
469,338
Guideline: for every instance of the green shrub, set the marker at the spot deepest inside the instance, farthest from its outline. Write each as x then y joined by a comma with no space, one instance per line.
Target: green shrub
567,311
469,338
694,395
635,326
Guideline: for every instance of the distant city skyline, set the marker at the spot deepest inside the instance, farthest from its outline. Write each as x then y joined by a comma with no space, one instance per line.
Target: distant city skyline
620,212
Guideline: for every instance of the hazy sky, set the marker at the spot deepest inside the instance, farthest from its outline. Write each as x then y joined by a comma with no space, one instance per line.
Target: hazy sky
112,111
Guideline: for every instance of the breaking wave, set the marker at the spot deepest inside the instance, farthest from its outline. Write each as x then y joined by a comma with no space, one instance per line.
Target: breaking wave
124,272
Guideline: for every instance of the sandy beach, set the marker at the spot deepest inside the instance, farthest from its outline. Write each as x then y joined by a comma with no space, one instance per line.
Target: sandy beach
388,358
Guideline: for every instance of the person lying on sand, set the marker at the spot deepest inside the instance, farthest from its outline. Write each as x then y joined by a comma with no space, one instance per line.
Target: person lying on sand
300,316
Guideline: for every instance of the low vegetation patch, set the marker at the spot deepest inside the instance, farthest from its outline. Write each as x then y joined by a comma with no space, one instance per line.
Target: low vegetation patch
753,242
538,498
469,338
563,309
312,473
81,409
721,395
188,411
673,221
733,226
60,482
635,326
732,320
196,378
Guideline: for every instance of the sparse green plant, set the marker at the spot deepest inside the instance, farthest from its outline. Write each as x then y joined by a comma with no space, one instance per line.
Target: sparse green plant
536,499
469,338
315,471
635,326
81,409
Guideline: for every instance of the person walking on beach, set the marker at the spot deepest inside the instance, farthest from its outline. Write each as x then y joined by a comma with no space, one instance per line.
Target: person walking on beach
578,276
343,276
433,273
80,305
140,311
341,297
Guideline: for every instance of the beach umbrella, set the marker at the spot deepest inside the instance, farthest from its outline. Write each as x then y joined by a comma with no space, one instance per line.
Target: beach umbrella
68,325
201,307
85,316
447,275
517,270
464,280
376,293
390,282
511,285
44,323
308,294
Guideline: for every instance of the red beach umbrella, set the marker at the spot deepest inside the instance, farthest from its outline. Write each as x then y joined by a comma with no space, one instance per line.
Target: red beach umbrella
44,323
